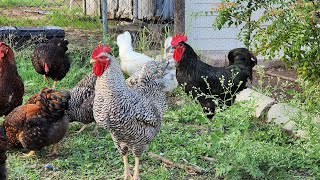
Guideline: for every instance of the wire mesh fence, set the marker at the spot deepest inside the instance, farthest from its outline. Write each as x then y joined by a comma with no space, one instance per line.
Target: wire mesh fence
24,22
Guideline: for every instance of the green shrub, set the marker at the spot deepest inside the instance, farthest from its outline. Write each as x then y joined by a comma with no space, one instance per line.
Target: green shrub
292,33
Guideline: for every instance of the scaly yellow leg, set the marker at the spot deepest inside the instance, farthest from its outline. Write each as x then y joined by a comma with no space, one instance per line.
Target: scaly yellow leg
83,128
54,84
136,169
95,130
54,151
126,173
45,78
30,154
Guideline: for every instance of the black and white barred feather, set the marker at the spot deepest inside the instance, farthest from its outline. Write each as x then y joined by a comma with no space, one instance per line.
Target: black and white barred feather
81,102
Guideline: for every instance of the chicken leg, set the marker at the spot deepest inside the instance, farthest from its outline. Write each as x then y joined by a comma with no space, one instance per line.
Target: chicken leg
95,130
126,173
45,78
136,169
54,84
54,151
83,128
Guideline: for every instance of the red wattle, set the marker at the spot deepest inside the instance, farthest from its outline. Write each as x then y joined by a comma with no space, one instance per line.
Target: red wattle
177,54
99,67
46,68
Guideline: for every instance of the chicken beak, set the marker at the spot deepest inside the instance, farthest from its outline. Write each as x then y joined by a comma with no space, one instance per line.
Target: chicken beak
92,61
169,49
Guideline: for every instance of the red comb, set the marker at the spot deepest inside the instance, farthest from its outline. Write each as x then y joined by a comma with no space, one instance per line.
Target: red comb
99,49
178,38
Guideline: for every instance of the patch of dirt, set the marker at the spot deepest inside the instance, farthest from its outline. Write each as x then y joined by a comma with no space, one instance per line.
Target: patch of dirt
22,12
80,37
279,78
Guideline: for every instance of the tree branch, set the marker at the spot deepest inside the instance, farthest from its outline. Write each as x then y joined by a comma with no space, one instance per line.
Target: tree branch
189,169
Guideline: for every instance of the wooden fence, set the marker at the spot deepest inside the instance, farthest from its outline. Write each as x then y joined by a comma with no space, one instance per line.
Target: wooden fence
125,9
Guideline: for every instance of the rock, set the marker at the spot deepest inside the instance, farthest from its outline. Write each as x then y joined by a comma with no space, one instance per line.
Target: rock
261,101
48,167
283,114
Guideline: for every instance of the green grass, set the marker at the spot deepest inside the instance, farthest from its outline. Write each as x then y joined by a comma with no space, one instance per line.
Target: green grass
31,3
58,16
241,146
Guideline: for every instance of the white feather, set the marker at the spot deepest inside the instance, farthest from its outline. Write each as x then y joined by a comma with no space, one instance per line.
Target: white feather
131,61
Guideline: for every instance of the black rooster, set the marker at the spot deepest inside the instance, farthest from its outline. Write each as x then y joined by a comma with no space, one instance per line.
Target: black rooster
223,82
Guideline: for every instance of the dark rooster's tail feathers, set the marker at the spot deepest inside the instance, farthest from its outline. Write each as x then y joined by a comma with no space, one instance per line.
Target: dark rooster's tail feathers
3,149
242,56
53,102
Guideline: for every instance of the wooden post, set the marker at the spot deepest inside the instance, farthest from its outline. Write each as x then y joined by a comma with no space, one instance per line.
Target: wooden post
84,6
179,16
92,7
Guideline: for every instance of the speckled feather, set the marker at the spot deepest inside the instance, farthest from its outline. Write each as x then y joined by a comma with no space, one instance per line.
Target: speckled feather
39,123
133,114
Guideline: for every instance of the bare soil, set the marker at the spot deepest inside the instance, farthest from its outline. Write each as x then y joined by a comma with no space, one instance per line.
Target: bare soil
277,77
21,12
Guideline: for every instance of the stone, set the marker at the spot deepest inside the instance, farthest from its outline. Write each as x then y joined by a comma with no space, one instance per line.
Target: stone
262,102
282,114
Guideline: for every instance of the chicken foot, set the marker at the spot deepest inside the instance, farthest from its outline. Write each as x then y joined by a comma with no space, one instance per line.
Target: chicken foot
126,173
54,151
30,154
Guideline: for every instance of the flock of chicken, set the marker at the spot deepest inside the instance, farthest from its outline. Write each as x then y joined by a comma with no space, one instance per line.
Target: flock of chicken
130,109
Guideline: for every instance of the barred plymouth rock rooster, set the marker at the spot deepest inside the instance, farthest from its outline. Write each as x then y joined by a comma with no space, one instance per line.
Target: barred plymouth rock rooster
133,113
50,59
81,102
197,75
11,85
38,123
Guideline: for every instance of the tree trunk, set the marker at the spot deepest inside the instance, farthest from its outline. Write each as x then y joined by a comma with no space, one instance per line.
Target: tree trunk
179,16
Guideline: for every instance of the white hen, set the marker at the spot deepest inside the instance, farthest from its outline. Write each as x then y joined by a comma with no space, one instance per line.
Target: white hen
131,61
170,76
168,50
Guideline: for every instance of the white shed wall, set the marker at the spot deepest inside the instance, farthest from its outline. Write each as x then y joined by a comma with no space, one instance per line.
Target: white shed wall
201,33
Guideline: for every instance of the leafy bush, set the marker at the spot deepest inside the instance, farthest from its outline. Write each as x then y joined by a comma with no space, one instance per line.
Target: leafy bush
292,30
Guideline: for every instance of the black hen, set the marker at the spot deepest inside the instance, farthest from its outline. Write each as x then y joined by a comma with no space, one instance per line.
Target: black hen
50,59
224,82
